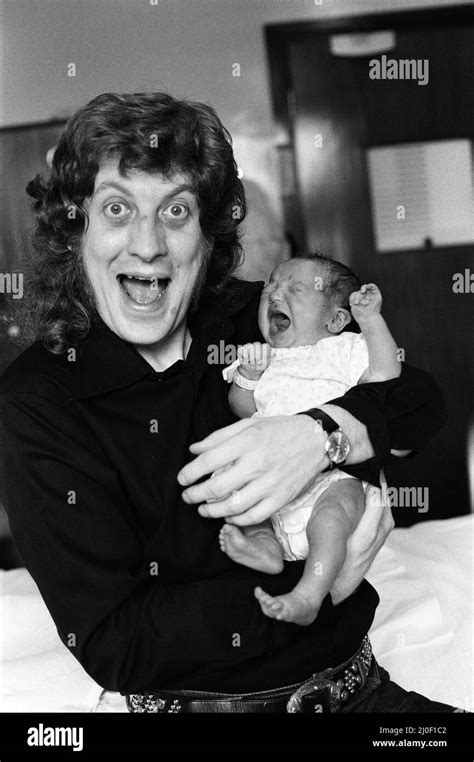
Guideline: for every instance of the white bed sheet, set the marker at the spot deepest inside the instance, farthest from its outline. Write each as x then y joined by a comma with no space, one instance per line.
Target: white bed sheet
422,632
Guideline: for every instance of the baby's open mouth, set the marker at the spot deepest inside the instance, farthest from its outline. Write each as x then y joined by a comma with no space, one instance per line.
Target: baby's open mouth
279,321
143,290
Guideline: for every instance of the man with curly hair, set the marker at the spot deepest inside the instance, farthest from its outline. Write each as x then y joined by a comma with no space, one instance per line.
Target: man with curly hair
114,409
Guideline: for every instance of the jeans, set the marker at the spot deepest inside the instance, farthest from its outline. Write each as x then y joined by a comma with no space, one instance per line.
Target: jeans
380,694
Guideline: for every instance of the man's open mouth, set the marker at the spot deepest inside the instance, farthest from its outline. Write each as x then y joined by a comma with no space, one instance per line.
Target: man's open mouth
143,290
279,321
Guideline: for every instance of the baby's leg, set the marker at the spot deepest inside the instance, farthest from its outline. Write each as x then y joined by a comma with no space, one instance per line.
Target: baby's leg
254,546
335,515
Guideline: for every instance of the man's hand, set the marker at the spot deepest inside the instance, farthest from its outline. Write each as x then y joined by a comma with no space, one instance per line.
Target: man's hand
364,543
272,461
365,303
254,359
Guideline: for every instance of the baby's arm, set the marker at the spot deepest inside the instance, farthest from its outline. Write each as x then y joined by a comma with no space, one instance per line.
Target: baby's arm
383,362
254,358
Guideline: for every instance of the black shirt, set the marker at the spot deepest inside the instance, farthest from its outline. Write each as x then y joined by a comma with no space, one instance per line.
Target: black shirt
133,577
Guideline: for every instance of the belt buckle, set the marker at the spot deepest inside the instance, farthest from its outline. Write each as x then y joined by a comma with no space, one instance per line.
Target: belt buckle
150,703
309,689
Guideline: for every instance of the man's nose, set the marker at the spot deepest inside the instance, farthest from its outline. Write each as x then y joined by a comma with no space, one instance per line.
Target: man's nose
147,238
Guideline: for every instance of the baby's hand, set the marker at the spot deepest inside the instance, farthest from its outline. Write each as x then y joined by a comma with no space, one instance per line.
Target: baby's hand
366,302
254,359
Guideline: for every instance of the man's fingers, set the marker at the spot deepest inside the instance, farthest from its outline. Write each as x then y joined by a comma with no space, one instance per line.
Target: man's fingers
388,522
237,507
370,520
220,487
260,512
375,524
218,438
228,452
385,527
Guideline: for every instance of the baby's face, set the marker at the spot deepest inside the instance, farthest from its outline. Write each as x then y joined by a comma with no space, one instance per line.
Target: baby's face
293,310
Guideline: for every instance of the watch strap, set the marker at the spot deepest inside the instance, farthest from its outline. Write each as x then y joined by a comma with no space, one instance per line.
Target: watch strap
325,421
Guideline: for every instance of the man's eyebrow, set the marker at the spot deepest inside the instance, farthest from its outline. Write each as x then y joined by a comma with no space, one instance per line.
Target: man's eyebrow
112,184
180,189
127,191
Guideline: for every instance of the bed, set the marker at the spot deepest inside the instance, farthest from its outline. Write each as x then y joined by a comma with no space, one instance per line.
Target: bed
422,632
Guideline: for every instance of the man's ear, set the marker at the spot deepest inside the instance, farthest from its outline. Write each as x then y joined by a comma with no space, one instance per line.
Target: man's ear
338,320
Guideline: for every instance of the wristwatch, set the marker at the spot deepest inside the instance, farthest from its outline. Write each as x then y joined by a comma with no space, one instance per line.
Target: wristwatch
337,446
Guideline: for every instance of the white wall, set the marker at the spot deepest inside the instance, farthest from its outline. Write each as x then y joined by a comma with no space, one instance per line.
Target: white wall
184,46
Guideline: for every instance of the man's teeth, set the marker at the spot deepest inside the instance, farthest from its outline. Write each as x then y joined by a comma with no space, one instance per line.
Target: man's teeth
144,290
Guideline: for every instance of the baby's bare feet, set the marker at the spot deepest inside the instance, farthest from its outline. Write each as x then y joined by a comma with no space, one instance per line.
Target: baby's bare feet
291,607
259,551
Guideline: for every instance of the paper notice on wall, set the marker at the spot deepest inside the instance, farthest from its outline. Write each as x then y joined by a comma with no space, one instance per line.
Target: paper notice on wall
421,194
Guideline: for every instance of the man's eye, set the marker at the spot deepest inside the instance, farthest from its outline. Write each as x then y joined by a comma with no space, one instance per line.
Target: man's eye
116,209
176,212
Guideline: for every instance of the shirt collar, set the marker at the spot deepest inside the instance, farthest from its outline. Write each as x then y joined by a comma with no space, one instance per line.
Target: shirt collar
105,362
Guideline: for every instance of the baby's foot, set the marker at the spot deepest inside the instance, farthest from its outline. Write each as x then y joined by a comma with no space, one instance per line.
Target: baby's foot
259,551
291,607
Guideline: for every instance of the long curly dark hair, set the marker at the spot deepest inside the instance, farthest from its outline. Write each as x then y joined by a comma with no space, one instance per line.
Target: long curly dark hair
151,132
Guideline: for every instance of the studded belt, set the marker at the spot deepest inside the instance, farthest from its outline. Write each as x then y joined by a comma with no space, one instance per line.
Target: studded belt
326,691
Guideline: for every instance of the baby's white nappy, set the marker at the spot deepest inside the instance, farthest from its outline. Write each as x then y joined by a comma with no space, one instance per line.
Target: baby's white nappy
289,524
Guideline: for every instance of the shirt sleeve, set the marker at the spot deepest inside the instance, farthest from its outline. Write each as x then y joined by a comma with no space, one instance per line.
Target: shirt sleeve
403,413
74,527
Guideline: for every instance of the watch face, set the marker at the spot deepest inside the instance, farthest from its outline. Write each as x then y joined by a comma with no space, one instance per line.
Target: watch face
337,446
